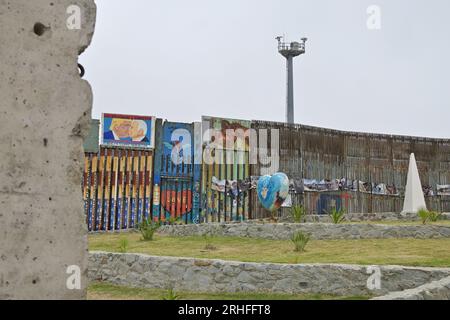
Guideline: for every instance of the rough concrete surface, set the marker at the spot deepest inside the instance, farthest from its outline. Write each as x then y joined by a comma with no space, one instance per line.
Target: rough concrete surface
45,111
212,275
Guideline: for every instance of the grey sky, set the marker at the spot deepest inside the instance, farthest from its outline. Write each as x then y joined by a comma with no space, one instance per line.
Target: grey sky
180,59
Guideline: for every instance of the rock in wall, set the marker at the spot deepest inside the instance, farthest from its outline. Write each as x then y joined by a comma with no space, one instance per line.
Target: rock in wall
45,110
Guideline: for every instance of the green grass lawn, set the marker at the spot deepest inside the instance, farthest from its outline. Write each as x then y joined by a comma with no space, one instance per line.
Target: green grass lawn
410,252
105,291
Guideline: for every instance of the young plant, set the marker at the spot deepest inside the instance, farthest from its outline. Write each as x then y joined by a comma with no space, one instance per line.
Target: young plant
337,216
170,295
172,220
434,216
274,216
300,240
424,215
123,246
298,213
148,229
208,244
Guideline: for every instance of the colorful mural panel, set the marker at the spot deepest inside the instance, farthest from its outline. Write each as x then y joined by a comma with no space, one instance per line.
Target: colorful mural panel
176,178
128,131
226,177
226,133
117,188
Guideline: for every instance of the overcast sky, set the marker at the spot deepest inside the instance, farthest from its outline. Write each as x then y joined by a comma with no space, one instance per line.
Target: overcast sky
181,59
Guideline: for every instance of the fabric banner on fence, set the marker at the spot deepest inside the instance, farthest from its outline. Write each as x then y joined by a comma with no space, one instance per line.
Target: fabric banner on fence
443,189
378,188
428,191
233,187
218,185
287,202
322,185
348,185
365,187
296,186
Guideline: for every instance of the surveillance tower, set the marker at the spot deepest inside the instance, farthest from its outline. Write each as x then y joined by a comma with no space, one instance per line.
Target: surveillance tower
289,51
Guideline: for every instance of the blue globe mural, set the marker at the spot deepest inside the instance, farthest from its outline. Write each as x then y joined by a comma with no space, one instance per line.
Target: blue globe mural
273,190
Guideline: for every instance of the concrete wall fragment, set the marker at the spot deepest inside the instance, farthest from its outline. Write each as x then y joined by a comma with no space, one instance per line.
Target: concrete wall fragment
45,110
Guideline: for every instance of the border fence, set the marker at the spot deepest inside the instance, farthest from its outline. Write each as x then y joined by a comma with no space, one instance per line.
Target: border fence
363,173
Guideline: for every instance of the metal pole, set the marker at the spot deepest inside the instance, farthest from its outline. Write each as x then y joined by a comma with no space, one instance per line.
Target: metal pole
290,89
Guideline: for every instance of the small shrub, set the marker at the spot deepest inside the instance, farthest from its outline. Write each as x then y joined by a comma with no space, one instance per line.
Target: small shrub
123,246
208,244
298,213
148,229
274,216
170,295
172,220
424,215
300,240
337,216
434,216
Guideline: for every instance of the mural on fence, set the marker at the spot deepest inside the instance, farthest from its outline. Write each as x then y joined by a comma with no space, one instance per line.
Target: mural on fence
127,131
233,133
177,178
117,187
226,180
125,182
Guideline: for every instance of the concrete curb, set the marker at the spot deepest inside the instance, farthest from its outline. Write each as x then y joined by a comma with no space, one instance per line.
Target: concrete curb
435,290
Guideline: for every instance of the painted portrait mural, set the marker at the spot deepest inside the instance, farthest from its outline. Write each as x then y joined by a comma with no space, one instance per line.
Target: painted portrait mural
127,131
232,132
225,181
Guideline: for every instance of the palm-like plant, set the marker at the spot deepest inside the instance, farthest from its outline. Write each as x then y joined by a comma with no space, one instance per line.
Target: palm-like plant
298,213
337,216
424,215
148,229
300,240
434,216
123,245
171,295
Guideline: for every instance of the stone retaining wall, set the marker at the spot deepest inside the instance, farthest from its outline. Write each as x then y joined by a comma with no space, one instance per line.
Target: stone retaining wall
436,290
356,217
203,275
318,231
